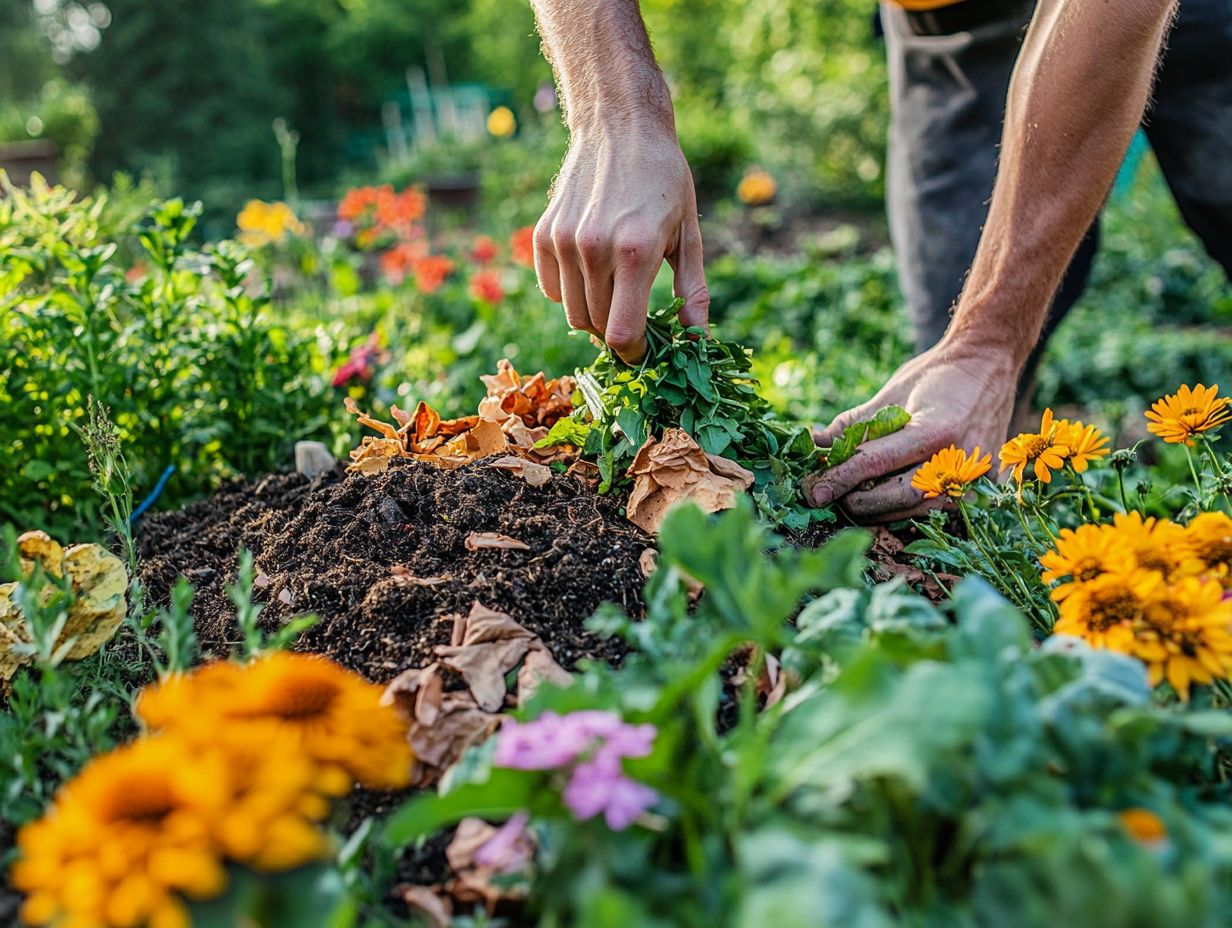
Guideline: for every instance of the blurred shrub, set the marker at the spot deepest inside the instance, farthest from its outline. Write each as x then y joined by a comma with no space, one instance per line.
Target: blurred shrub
176,342
63,114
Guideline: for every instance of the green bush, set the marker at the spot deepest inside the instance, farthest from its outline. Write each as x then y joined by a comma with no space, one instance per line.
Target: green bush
177,343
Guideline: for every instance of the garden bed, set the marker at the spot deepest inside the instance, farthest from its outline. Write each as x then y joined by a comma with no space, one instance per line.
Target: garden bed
330,547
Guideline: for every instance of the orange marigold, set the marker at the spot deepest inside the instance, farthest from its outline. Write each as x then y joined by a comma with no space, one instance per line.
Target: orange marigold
1042,451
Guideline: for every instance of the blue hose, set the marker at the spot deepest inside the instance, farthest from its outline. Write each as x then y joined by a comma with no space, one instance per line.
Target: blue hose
154,495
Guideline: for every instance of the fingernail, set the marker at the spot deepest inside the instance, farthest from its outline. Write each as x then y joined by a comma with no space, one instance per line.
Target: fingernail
823,495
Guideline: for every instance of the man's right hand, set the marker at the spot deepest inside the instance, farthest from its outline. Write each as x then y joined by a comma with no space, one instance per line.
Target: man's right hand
623,202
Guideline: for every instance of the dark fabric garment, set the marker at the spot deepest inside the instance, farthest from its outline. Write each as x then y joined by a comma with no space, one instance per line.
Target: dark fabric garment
947,102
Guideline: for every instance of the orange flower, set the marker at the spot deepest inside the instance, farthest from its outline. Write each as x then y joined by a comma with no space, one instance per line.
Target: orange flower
1178,417
522,244
1143,825
399,261
1085,443
430,272
950,471
756,188
486,286
1041,450
356,203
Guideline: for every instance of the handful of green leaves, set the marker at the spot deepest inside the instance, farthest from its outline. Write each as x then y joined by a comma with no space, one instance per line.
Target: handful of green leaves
703,385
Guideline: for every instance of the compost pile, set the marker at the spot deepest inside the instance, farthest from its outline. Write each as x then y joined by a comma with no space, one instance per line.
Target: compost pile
384,558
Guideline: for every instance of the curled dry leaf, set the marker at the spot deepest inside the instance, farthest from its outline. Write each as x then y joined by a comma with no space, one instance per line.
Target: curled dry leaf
402,574
99,583
481,541
536,401
539,667
536,475
430,902
675,468
441,726
424,436
485,646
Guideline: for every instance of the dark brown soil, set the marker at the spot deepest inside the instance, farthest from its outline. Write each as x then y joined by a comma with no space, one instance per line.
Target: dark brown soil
328,547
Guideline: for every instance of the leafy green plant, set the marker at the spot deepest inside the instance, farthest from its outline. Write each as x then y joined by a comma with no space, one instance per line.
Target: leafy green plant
702,385
927,765
179,345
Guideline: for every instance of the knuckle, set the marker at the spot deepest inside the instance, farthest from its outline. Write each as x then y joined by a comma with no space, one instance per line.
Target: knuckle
632,247
590,241
563,238
620,336
542,236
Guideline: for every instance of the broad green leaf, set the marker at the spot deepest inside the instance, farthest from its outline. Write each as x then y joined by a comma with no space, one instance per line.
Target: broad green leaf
500,796
885,422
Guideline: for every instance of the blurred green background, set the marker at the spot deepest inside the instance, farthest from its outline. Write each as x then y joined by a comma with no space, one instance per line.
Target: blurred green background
186,93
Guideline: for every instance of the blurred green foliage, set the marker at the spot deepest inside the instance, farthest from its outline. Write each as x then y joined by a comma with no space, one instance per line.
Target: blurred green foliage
188,93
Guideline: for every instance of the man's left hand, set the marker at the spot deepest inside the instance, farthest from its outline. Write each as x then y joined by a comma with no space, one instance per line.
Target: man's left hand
955,394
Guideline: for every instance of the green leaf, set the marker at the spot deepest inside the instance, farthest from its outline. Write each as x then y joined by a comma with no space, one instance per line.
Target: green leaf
885,422
566,431
502,794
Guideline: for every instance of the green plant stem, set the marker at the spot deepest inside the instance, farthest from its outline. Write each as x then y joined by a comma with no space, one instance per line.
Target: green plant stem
1121,488
1219,470
1193,471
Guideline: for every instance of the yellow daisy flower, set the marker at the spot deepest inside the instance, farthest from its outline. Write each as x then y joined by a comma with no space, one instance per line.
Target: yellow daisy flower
336,714
1103,611
1040,450
1157,544
1179,416
1084,553
1186,635
950,471
1085,443
1208,542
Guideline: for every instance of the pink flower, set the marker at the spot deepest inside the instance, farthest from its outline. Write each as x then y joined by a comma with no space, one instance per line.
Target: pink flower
600,787
547,743
358,365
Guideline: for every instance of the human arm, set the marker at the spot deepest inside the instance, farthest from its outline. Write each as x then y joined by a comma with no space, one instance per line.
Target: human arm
1077,95
624,199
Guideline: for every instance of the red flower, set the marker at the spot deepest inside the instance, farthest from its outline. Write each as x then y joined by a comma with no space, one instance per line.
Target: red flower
486,286
484,249
522,244
430,272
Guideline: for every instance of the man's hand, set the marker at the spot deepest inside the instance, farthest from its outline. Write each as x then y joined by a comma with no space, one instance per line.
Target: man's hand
623,202
956,395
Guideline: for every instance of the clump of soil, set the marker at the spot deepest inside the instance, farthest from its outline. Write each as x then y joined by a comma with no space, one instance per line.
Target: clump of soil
330,547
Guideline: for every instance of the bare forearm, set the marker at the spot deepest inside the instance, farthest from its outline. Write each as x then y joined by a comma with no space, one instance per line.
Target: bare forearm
1077,96
604,65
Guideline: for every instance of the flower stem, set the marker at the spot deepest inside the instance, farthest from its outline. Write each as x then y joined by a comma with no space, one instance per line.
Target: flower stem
1194,473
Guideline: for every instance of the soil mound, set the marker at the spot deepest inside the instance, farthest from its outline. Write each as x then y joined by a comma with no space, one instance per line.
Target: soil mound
382,559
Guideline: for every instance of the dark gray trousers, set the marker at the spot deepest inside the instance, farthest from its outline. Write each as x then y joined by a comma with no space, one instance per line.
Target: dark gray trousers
947,95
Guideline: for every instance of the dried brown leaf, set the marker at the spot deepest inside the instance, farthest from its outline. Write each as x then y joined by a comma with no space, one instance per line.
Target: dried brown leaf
674,469
481,541
536,475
